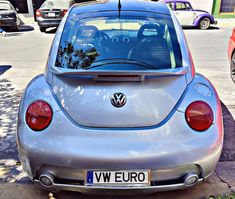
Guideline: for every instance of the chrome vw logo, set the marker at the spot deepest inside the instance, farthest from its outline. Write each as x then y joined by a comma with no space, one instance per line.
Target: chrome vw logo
118,99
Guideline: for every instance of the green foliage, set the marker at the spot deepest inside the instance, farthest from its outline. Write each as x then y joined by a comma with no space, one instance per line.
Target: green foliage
231,196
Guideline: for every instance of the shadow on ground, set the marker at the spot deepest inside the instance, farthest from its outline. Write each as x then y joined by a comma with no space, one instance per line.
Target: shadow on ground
25,28
10,169
4,68
228,153
51,30
196,28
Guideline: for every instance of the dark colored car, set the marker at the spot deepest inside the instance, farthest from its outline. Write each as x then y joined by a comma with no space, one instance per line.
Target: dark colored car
231,54
51,13
8,16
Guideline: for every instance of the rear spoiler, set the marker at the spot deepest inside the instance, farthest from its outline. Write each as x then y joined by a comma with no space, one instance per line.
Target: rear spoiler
120,75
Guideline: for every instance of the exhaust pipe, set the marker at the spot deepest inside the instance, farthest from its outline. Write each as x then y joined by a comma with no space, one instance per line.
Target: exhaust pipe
190,179
46,179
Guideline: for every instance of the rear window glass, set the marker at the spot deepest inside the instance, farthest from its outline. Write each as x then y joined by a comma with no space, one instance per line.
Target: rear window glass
5,6
119,43
55,4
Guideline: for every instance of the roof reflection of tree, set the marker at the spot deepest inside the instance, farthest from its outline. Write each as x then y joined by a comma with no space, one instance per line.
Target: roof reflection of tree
68,57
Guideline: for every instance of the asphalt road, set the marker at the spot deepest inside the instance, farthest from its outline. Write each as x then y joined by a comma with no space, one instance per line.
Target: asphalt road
23,55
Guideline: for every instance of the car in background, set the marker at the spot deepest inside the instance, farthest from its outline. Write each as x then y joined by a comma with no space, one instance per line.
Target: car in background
231,54
8,16
51,13
187,16
119,107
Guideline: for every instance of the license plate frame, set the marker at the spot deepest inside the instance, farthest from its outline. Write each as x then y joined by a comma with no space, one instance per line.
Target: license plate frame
114,178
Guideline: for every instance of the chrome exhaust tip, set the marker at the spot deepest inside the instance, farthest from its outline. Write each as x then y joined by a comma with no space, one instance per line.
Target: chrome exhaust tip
46,179
190,179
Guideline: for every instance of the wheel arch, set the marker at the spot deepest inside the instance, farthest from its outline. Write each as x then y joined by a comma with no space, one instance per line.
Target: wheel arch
201,17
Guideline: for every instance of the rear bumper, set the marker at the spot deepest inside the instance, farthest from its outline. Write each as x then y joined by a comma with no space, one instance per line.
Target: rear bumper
116,190
46,23
10,22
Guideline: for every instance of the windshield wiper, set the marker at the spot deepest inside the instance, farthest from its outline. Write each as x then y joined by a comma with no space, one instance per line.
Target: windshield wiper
121,61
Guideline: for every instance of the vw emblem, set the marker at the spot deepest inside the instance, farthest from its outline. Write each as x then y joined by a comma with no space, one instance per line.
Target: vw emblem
118,99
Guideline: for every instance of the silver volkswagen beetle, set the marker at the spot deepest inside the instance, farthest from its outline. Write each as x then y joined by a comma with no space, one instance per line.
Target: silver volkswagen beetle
119,106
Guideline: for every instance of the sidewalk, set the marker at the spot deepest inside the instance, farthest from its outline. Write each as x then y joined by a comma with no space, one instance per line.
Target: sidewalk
26,19
225,23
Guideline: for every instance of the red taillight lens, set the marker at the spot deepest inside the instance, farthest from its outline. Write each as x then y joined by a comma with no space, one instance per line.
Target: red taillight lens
64,12
199,116
38,115
38,13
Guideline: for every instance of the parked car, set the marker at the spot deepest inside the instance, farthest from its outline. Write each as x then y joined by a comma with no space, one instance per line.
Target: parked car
231,54
120,106
8,16
51,13
188,16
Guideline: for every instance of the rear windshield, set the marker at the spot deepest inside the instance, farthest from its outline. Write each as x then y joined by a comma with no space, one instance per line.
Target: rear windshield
119,43
56,4
5,6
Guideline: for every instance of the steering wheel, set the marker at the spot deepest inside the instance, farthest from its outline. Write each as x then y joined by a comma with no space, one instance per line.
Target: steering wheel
103,35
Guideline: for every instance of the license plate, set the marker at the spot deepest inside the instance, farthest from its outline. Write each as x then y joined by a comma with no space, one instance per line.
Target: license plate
51,14
118,178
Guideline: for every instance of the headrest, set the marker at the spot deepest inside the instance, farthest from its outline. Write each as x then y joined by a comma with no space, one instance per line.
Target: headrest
143,31
87,32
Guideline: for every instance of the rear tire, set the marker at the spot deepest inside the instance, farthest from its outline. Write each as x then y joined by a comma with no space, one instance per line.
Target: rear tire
42,29
204,23
232,67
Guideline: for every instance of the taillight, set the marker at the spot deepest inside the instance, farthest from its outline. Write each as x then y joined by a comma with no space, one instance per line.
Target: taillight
38,115
199,116
38,13
64,12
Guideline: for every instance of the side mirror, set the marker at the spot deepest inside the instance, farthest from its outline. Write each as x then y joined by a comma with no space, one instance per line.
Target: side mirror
17,9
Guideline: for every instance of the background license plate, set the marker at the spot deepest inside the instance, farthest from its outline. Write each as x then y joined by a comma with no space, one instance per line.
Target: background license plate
51,14
118,178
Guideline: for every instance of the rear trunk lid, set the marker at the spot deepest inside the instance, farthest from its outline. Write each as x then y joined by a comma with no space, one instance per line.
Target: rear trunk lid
87,98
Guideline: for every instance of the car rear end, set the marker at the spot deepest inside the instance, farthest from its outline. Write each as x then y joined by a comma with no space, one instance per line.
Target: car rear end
231,54
51,13
231,44
101,121
8,17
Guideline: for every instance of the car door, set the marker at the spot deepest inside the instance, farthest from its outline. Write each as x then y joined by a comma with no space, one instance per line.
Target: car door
184,13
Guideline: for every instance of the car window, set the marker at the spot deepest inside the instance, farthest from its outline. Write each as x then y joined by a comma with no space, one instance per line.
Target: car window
188,6
5,6
58,4
180,6
138,43
170,5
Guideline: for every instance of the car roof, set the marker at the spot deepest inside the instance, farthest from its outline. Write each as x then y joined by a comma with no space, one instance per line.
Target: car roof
126,5
4,1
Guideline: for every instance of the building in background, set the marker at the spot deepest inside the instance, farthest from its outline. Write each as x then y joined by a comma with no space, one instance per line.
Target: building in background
224,8
219,8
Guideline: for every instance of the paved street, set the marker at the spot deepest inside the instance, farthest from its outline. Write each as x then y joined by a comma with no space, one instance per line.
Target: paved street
26,52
